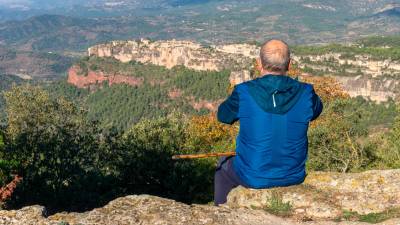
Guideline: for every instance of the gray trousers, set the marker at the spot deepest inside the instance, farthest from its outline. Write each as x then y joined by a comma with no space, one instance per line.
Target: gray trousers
225,180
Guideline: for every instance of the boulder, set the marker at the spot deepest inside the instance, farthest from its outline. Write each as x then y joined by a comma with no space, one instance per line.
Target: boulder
328,195
144,210
27,215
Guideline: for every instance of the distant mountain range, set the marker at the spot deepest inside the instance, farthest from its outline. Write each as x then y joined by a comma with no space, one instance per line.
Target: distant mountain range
113,7
68,28
79,24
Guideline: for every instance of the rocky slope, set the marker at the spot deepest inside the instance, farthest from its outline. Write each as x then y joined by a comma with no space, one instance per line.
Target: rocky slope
361,76
322,199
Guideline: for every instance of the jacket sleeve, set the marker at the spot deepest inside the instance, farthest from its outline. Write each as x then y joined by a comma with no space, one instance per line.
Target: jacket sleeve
317,105
228,110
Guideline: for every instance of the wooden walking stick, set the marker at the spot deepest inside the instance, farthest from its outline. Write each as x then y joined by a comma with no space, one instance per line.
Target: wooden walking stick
202,156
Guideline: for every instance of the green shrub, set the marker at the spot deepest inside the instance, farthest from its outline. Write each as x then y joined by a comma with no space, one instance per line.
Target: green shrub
142,161
371,217
1,141
338,141
69,164
393,150
56,149
277,206
6,167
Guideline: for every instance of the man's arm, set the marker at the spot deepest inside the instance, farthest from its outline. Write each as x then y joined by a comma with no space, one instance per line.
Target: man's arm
228,110
317,105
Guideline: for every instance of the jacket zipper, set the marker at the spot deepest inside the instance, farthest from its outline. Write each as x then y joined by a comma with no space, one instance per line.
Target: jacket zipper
273,98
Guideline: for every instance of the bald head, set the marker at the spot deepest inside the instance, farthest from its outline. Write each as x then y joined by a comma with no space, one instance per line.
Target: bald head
275,56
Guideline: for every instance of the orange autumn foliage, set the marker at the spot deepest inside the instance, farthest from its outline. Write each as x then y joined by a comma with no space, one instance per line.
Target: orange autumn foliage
7,191
329,89
205,132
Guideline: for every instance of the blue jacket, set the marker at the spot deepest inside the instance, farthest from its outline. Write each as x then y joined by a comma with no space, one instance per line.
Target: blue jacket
274,113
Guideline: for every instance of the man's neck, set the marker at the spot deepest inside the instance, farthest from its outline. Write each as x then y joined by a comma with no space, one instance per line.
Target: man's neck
266,72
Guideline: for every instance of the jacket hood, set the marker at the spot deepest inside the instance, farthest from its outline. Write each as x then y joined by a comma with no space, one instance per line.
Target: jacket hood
275,93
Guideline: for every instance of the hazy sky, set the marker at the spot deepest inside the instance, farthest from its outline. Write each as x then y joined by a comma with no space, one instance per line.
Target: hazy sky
13,2
39,3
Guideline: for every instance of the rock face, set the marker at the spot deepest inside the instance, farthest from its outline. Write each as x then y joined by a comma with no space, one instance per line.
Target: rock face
238,77
172,53
93,77
320,200
246,50
378,90
379,80
328,195
370,67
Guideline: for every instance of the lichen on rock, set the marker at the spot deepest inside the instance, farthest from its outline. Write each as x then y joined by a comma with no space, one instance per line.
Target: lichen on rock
328,195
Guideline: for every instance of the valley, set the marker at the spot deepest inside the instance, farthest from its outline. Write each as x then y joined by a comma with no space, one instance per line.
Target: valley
121,82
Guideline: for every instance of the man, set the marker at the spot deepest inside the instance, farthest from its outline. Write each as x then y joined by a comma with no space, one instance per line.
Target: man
274,113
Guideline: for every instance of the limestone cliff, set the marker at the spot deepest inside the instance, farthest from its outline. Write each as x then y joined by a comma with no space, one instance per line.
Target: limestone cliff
171,53
324,198
378,90
362,63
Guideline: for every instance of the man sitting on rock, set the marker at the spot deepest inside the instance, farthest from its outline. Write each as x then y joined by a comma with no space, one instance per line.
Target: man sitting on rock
274,113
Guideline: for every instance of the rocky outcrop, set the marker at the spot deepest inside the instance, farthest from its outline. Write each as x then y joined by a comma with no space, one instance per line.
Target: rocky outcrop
378,90
246,50
150,210
363,63
325,196
144,210
96,77
238,77
322,199
171,53
379,80
212,106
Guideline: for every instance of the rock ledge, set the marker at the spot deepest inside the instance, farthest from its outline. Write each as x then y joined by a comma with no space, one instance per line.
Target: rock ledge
322,198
